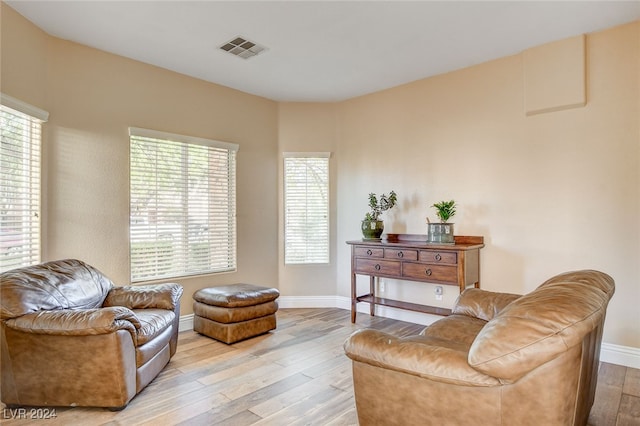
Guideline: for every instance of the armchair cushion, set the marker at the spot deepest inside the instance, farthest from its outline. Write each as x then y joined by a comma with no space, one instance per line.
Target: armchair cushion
64,284
423,356
85,322
154,322
159,296
458,328
538,327
482,304
591,278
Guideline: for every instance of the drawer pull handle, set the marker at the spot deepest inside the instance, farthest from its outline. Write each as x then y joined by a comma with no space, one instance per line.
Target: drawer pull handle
438,257
377,267
428,271
369,252
400,254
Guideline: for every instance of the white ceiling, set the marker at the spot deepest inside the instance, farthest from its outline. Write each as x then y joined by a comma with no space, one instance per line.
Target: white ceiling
320,50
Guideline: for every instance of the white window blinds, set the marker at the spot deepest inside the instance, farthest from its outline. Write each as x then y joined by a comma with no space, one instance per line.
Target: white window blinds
306,206
20,125
183,205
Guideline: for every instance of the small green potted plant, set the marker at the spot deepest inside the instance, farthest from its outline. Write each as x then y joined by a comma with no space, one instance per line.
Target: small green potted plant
442,233
372,225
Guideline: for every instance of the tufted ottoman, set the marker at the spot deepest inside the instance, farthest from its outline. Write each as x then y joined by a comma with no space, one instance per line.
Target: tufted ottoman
234,312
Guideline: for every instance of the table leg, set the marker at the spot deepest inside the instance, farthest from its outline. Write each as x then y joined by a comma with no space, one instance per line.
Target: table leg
353,298
372,306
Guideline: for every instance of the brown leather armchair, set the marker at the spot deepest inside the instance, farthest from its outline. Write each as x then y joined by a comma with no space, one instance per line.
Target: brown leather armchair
499,359
69,337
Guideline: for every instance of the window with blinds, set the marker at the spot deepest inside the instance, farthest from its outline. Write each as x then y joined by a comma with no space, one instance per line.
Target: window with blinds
20,126
183,205
306,207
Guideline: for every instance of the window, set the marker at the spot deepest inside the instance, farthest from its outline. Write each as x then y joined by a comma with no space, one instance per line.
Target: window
20,125
183,205
306,207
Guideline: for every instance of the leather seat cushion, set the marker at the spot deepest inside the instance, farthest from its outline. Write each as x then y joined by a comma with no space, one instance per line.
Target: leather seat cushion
236,295
458,328
146,352
153,322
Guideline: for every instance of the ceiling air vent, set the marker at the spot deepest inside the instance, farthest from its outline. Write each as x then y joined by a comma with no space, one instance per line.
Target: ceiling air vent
242,47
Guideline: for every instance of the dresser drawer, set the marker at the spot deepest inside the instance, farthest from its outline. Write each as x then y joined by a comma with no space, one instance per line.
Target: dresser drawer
369,252
377,267
423,272
400,254
434,256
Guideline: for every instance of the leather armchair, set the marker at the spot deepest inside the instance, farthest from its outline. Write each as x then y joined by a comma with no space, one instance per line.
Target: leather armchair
499,359
69,337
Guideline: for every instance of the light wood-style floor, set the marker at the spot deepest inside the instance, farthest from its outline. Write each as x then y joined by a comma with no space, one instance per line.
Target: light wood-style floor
297,374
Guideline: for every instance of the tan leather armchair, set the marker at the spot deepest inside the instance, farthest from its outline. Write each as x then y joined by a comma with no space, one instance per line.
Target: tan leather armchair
69,337
499,359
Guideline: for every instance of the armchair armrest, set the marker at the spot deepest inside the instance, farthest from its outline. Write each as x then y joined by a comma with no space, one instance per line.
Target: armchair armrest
158,296
84,322
422,356
482,304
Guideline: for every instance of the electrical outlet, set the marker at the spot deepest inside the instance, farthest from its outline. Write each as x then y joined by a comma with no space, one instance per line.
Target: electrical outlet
439,291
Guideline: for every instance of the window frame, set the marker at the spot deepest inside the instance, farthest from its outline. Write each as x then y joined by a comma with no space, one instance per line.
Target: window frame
307,259
183,254
28,234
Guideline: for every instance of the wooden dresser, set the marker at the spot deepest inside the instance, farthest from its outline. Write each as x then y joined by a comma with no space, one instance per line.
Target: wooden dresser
410,257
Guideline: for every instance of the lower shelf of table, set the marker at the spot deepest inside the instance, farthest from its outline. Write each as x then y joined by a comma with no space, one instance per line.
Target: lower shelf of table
368,298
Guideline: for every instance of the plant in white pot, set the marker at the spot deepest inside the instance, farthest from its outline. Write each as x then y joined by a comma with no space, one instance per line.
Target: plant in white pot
442,233
372,225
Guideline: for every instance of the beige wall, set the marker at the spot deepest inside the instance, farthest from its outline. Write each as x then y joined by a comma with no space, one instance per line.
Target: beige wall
308,127
93,97
550,192
24,64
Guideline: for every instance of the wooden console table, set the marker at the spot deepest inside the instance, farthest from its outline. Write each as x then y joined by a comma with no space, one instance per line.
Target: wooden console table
410,257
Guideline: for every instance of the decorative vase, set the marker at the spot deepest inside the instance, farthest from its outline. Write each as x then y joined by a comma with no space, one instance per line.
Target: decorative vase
440,233
372,229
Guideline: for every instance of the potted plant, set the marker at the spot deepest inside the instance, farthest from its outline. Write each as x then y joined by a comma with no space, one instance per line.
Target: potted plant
372,226
442,233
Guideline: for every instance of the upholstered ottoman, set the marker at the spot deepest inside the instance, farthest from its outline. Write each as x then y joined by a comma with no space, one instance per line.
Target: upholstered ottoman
234,312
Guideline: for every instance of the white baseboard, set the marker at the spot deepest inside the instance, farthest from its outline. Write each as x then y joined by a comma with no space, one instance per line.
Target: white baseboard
613,354
621,355
186,323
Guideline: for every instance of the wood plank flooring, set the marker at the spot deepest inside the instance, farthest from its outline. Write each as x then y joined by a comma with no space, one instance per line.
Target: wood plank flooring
297,374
